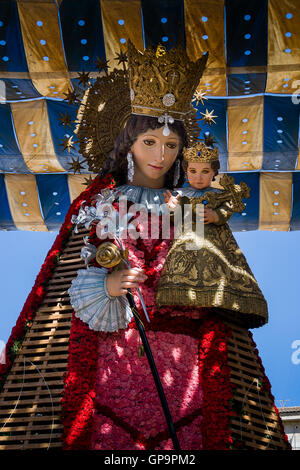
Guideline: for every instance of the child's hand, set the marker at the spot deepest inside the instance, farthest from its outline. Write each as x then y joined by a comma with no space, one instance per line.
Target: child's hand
170,200
210,216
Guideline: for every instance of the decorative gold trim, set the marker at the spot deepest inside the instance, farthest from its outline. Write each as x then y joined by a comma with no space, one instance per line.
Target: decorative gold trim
254,310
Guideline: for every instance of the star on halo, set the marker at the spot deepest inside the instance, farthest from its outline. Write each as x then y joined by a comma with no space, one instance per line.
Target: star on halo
87,181
76,165
71,96
209,140
66,119
208,117
84,78
199,96
67,143
102,64
121,58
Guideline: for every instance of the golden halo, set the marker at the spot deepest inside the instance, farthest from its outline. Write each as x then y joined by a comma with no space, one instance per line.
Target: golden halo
102,115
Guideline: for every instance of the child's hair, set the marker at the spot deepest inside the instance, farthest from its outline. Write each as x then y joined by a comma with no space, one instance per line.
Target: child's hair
215,165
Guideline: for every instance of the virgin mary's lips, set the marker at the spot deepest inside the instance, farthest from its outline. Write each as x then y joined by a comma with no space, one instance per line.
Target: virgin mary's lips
156,167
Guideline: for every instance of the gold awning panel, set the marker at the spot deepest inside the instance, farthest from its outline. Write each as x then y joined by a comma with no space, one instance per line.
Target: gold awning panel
245,134
23,202
275,201
283,46
43,48
121,21
203,35
34,136
76,184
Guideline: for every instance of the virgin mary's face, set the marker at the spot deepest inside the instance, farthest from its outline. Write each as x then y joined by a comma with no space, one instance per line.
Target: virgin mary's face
153,155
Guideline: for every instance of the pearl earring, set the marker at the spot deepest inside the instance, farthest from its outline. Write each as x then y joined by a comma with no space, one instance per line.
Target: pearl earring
130,166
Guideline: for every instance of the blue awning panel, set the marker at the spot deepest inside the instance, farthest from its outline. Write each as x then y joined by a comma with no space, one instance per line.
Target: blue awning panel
54,199
6,221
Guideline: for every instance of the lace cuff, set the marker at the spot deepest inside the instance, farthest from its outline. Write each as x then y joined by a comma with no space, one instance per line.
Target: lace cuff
94,306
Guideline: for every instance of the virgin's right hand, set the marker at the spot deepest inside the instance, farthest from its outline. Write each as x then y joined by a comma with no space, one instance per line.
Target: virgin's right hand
118,282
170,200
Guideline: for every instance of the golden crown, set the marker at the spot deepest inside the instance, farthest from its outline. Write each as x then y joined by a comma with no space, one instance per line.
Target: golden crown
200,153
162,84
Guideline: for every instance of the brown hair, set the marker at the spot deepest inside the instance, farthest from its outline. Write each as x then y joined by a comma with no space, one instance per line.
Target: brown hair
116,162
215,165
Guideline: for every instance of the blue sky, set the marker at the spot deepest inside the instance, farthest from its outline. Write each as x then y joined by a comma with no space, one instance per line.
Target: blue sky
274,258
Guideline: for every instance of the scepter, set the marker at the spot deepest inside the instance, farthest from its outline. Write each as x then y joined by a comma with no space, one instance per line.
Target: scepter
141,329
154,370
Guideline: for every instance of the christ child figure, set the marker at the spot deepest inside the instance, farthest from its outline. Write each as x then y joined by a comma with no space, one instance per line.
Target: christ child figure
214,273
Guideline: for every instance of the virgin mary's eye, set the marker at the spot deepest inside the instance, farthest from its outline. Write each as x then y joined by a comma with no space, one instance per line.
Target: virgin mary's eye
171,145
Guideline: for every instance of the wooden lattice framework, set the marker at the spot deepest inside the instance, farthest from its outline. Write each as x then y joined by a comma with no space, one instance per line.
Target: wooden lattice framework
30,400
41,363
257,424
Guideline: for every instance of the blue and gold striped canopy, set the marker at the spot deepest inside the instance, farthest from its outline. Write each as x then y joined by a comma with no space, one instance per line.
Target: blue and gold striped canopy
252,81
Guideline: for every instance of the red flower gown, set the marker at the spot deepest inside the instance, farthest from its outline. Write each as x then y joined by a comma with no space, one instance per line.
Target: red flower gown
111,401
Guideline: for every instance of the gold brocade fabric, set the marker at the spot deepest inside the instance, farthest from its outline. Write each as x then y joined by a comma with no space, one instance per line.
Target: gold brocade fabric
216,274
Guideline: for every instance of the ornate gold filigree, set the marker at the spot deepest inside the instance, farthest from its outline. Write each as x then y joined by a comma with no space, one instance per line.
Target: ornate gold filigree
217,275
200,153
103,113
163,83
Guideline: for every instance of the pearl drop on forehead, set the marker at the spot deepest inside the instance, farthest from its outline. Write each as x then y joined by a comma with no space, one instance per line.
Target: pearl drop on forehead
166,131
